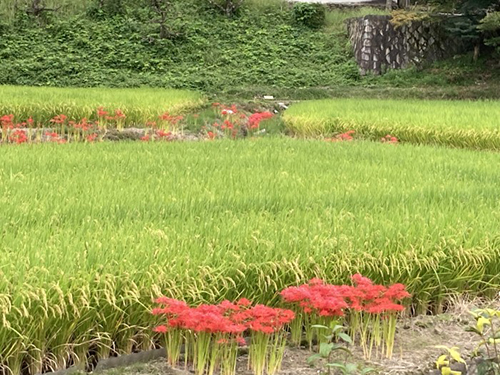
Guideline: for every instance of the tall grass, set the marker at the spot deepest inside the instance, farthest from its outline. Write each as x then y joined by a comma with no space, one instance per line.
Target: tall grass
451,123
335,19
90,233
139,105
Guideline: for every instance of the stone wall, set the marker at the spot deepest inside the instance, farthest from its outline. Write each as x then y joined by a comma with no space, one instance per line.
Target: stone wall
379,45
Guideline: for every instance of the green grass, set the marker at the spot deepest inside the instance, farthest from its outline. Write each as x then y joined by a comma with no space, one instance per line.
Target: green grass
90,233
139,105
450,123
335,19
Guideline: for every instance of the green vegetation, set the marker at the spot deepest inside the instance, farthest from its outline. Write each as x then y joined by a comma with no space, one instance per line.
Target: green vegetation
205,50
90,233
450,123
139,105
189,44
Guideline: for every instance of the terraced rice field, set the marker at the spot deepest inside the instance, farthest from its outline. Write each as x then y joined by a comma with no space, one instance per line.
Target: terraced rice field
91,233
448,123
140,105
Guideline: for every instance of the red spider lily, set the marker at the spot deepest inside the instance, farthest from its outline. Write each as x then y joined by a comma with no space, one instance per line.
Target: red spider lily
347,136
83,124
59,119
243,302
161,329
229,124
54,137
101,112
173,120
91,137
119,114
226,317
18,136
255,119
145,138
163,134
30,121
215,104
332,300
389,139
7,119
211,135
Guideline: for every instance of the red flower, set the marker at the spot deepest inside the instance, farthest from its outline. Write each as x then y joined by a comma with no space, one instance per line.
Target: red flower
243,302
119,114
255,119
161,329
101,112
59,119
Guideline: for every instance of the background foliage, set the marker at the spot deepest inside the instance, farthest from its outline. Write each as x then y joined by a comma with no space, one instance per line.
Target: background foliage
207,50
260,49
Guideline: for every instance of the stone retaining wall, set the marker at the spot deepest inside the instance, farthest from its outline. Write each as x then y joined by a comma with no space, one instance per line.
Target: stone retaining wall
378,45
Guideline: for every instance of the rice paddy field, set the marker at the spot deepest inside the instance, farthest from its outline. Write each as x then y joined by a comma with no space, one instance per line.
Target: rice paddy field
450,123
90,234
140,105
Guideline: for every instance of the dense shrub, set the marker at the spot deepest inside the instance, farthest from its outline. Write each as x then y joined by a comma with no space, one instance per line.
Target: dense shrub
310,15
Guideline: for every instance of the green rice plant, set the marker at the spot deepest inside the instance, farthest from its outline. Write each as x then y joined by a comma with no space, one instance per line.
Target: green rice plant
91,234
449,123
139,105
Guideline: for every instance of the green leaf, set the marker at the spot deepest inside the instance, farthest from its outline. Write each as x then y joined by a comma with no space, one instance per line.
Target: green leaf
313,358
336,365
472,329
319,326
456,355
337,327
325,349
345,337
343,348
481,322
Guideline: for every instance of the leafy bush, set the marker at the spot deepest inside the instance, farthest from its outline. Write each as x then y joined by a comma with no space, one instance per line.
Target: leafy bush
228,7
490,26
310,15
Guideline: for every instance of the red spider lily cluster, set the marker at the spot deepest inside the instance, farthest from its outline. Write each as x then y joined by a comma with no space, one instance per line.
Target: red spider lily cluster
255,119
61,131
347,136
333,300
389,139
231,123
219,329
364,305
234,122
103,114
